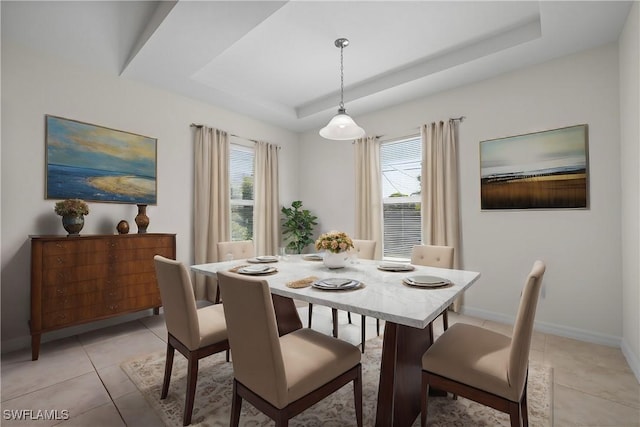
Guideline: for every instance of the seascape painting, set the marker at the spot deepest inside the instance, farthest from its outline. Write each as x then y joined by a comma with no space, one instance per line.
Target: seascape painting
99,164
543,170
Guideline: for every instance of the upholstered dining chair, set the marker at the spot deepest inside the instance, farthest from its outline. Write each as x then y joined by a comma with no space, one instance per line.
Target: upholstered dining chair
434,256
362,249
194,332
281,376
238,249
486,366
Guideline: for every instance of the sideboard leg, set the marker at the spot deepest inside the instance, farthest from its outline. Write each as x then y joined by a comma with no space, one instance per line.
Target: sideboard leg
35,346
156,310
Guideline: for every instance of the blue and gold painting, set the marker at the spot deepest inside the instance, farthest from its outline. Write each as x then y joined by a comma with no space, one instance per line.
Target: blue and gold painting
99,164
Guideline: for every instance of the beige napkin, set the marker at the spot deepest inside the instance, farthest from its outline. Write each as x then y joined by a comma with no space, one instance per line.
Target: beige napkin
302,283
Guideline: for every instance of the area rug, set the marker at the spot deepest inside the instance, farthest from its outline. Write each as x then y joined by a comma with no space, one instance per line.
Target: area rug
213,396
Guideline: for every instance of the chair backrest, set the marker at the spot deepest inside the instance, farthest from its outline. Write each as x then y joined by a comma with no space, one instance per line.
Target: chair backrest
178,302
432,256
365,249
253,337
239,249
523,328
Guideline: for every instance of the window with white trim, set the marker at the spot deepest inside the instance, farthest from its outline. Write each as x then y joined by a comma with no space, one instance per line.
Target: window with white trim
400,163
241,175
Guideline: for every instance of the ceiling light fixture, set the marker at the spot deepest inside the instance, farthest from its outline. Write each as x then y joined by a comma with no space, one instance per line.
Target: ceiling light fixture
342,127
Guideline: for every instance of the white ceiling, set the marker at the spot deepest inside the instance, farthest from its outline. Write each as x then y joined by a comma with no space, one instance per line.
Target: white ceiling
276,61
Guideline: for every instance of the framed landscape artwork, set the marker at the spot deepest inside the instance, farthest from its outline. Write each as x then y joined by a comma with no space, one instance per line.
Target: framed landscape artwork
542,170
99,164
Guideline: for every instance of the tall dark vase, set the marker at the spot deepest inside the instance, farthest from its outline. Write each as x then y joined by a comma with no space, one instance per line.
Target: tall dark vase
73,224
142,220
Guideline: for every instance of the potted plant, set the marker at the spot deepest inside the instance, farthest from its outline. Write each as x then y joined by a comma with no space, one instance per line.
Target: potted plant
72,212
297,226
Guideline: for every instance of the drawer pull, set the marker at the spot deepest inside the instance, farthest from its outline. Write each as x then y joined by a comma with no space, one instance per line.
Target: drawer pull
62,316
60,292
113,307
60,260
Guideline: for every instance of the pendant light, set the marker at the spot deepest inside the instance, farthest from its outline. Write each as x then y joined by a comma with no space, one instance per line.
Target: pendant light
342,127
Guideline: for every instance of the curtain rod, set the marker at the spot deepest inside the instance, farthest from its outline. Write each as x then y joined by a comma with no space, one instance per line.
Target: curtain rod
197,125
410,133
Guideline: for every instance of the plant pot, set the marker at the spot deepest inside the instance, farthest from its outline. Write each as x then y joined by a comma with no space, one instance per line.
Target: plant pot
73,224
335,260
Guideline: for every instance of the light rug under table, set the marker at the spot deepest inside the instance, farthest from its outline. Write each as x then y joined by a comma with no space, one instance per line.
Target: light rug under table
213,396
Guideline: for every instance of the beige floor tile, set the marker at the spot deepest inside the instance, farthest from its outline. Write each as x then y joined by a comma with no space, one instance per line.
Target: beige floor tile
114,351
157,325
116,381
575,408
136,411
102,416
120,330
58,361
77,396
570,353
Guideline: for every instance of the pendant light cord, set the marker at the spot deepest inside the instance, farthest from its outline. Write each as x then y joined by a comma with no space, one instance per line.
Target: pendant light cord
341,78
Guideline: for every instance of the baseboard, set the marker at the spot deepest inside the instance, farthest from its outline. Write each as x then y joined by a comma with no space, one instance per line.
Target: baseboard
549,328
632,359
23,342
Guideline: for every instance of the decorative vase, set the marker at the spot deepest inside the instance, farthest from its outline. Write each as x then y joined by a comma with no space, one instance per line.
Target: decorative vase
335,260
123,227
73,224
142,220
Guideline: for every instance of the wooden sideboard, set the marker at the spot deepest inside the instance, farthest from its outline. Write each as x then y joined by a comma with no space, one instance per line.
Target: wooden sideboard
81,279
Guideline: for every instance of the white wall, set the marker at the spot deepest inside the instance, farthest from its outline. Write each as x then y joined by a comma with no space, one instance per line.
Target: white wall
34,85
582,294
629,46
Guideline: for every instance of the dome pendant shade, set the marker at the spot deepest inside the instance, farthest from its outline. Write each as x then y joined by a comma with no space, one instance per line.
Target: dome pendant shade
342,128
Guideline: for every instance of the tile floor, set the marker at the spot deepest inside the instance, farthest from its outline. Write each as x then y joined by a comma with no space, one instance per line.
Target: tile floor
593,385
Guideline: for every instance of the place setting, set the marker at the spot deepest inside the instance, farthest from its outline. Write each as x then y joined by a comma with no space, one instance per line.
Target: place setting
263,259
428,282
254,269
336,284
395,267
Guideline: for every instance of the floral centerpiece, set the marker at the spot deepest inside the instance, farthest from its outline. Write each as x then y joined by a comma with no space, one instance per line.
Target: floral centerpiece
72,212
334,241
335,244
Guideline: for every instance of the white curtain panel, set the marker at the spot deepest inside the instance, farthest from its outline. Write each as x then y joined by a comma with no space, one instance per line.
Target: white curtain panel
211,202
368,192
266,213
440,195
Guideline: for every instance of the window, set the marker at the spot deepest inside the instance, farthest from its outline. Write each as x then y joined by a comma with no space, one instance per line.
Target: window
400,163
241,173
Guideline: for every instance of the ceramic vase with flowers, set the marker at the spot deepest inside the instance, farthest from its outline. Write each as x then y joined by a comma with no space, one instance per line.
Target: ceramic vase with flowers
335,245
72,212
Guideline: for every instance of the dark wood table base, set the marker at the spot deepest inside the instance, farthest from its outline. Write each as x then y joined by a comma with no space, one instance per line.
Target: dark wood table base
400,375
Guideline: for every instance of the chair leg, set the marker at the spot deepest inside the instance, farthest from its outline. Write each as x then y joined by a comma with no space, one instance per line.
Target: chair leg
334,316
310,314
364,331
349,316
524,409
431,332
192,379
514,414
228,359
445,319
217,300
168,366
357,395
378,327
424,402
236,405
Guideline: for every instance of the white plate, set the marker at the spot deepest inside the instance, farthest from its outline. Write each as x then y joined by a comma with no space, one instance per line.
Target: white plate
426,281
256,269
336,284
391,266
265,258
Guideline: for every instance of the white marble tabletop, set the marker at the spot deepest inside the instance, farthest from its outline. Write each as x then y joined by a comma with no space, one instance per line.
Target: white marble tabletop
382,295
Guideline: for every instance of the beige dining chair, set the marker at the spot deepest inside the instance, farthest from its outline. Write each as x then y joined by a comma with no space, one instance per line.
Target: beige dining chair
281,376
434,256
238,249
362,249
486,366
194,332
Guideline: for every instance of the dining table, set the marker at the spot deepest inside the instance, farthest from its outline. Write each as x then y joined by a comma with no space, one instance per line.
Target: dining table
375,289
